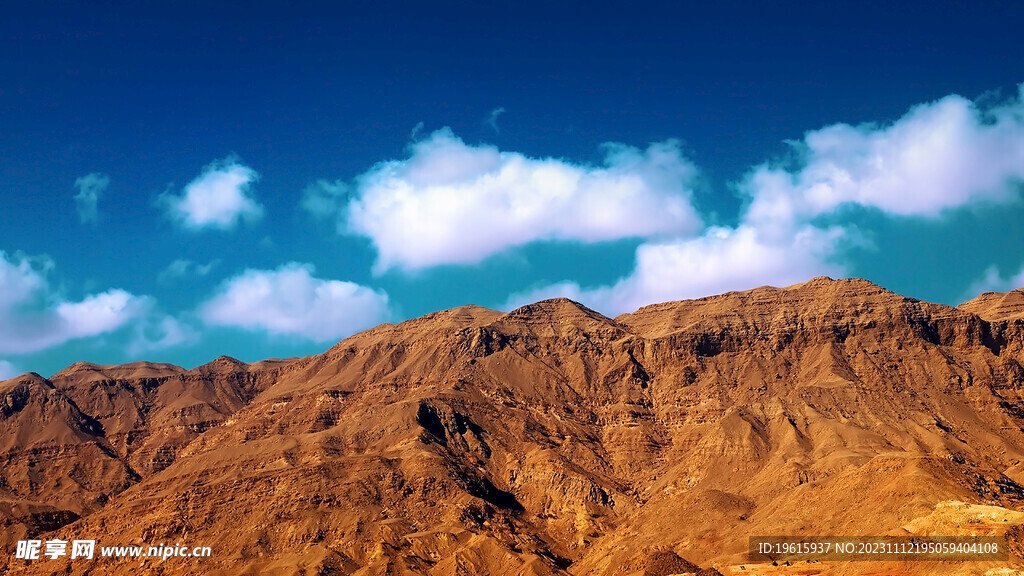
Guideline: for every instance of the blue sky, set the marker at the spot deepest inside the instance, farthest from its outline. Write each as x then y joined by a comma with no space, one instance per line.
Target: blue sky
263,179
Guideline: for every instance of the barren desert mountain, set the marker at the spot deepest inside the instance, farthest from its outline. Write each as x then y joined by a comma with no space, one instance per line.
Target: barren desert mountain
996,306
547,440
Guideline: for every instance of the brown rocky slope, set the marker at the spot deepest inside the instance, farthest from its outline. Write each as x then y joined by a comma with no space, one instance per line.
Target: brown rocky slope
548,440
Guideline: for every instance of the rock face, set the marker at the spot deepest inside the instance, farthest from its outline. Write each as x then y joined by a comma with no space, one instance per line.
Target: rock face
997,306
548,440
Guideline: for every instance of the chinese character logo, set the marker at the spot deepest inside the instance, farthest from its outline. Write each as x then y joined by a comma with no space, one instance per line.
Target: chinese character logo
56,548
28,549
83,549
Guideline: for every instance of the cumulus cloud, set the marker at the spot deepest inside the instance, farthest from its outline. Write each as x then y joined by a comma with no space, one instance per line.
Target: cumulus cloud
90,188
218,198
291,301
99,313
34,317
937,157
452,203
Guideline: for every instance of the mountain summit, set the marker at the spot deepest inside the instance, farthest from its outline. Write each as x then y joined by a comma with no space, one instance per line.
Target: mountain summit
547,440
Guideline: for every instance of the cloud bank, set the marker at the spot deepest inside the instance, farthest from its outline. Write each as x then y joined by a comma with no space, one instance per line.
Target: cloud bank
218,198
291,301
452,203
90,188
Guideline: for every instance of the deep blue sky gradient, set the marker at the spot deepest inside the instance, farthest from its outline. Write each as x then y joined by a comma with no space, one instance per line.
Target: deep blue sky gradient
150,94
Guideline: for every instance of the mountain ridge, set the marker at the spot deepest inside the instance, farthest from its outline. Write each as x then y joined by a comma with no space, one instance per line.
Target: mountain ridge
549,439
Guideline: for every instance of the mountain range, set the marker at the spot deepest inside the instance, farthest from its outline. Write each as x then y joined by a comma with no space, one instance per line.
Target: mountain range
548,440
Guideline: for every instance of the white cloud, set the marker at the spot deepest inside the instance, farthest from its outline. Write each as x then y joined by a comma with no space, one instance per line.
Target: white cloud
993,281
90,188
34,317
937,157
721,260
21,278
218,198
8,370
99,313
158,332
291,301
451,203
183,267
